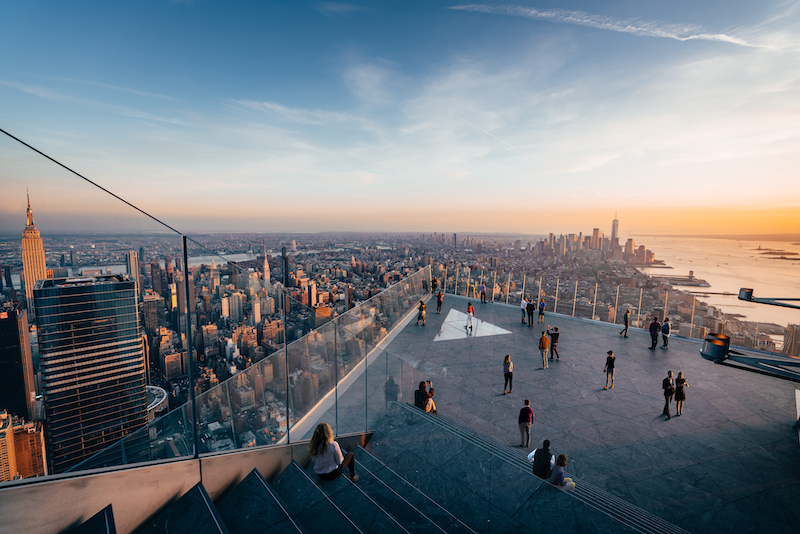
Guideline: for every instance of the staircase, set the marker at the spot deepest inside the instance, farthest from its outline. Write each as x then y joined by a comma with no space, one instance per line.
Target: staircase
631,516
418,474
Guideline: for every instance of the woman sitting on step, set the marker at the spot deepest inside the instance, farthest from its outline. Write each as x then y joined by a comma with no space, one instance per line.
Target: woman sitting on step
328,460
557,478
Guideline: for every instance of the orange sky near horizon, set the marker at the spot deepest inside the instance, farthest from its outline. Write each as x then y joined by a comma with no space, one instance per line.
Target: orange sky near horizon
112,216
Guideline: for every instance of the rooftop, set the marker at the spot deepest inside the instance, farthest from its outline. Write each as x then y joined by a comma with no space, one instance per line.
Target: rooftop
730,463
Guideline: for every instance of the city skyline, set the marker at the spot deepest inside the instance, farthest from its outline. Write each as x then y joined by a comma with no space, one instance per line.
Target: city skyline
411,117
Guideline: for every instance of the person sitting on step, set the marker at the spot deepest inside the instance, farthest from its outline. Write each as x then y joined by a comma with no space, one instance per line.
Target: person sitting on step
328,460
557,478
424,399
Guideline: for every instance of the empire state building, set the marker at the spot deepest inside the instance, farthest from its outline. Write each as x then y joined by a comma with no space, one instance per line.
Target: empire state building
33,266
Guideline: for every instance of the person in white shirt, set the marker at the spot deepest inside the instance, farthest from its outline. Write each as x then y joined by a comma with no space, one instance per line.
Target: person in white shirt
328,460
524,307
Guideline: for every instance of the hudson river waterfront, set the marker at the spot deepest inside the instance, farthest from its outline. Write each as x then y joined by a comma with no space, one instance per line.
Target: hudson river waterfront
728,265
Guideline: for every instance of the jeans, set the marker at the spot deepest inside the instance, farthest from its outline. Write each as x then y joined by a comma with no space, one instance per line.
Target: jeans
509,381
525,434
544,358
667,401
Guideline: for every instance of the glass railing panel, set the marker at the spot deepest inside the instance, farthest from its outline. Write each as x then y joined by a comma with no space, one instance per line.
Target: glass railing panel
351,391
252,424
375,388
273,369
302,390
387,308
449,278
517,290
215,420
437,277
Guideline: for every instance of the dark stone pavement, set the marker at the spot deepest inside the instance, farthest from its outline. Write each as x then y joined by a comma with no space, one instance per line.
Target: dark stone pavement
730,463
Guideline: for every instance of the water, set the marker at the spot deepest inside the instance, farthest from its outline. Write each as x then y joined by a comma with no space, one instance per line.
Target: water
729,265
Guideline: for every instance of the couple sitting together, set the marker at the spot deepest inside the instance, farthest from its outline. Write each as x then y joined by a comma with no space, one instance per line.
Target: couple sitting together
550,468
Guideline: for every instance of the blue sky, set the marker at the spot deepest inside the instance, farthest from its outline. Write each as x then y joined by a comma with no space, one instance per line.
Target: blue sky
309,116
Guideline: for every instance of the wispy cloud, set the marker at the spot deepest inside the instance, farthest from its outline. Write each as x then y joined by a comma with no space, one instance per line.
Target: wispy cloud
484,131
679,32
332,9
48,94
300,115
114,87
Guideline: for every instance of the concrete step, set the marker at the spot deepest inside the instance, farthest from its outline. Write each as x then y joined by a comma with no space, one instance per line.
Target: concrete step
360,507
309,506
100,523
193,513
421,502
412,519
253,507
631,516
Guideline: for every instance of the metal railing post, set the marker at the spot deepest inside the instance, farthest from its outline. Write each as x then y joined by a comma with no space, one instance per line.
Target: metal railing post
555,306
575,298
639,309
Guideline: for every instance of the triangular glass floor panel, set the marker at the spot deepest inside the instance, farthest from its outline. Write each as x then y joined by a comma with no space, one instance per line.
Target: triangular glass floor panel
455,327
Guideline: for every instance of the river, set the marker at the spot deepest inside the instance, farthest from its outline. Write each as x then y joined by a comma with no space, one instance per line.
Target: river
728,265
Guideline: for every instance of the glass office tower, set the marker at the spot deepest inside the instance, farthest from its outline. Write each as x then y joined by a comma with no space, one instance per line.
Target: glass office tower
17,390
92,363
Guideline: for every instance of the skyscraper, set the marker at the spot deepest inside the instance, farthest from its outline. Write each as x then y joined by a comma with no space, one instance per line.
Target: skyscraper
132,263
615,231
92,364
266,265
33,264
17,389
21,448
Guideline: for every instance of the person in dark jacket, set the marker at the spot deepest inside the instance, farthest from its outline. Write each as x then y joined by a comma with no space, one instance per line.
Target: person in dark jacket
424,399
531,308
609,368
543,461
655,329
626,318
668,385
553,333
525,421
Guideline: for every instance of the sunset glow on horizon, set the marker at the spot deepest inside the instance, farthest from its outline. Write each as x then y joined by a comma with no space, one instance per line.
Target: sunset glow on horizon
532,117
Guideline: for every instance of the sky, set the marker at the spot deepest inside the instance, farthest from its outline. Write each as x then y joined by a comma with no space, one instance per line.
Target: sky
530,117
